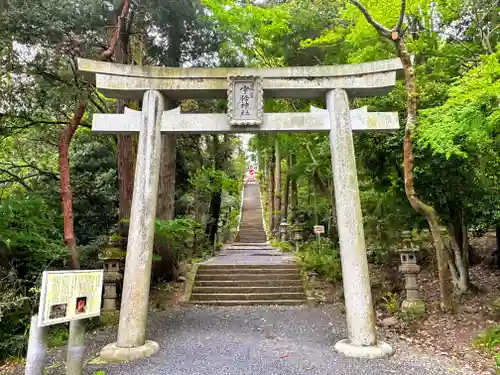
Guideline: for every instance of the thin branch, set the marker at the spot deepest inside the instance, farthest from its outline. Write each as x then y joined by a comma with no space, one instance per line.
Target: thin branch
16,179
453,37
104,103
381,29
487,12
97,105
31,166
401,16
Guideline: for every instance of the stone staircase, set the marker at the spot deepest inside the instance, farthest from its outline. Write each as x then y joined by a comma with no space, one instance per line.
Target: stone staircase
251,227
249,272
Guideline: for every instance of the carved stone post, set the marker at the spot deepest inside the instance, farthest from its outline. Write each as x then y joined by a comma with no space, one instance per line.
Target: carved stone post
410,269
284,231
112,276
297,237
131,343
362,340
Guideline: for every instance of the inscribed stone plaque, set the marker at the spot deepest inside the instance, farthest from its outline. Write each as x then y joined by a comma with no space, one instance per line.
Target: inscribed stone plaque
70,295
245,100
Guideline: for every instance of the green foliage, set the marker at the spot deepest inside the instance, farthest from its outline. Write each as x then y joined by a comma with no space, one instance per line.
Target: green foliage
489,340
30,235
30,241
283,246
176,232
58,336
409,316
470,116
391,302
325,262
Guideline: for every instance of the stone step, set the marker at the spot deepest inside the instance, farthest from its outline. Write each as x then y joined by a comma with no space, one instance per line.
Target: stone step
247,271
247,290
250,302
247,297
238,276
240,243
250,248
247,283
243,248
232,267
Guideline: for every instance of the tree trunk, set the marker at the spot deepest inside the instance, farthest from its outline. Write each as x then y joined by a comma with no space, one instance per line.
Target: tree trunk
286,191
428,211
277,187
216,198
66,195
293,187
497,232
270,194
125,154
459,268
165,207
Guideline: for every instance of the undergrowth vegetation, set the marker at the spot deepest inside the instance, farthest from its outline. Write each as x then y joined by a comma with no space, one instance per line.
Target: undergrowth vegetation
323,259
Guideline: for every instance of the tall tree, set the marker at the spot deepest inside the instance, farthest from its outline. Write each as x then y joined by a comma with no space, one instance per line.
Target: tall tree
397,36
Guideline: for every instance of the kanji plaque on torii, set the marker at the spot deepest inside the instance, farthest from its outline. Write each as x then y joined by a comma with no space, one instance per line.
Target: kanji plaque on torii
245,101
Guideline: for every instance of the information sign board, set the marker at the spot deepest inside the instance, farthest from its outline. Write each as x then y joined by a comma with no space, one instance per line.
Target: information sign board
318,229
70,295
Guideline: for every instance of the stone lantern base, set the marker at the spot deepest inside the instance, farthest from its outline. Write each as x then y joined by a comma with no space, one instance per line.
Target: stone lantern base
416,307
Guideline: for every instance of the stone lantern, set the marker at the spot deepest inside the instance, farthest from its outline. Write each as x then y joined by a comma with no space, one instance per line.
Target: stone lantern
297,237
111,258
410,269
284,231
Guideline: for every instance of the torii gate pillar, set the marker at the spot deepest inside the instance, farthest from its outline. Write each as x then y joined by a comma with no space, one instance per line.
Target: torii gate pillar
336,83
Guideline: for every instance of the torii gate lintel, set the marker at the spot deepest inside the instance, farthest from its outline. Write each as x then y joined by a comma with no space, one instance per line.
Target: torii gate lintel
173,121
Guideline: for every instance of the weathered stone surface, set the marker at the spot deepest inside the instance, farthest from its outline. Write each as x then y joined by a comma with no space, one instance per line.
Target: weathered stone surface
114,353
135,295
356,281
245,102
130,81
415,307
195,123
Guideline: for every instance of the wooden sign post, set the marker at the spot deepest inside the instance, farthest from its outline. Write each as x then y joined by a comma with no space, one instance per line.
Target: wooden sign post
319,229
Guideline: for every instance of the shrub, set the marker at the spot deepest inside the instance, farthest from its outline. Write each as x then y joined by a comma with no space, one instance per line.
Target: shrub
30,241
489,340
325,261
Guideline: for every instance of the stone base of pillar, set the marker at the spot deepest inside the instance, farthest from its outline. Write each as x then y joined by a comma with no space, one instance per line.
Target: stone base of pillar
381,350
113,353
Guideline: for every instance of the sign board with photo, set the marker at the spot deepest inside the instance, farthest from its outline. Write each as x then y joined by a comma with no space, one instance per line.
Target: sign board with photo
70,295
318,229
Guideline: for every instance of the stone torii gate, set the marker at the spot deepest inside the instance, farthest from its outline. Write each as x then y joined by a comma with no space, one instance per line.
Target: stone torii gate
245,89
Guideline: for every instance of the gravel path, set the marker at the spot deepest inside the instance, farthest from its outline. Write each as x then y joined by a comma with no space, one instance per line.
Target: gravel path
259,340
